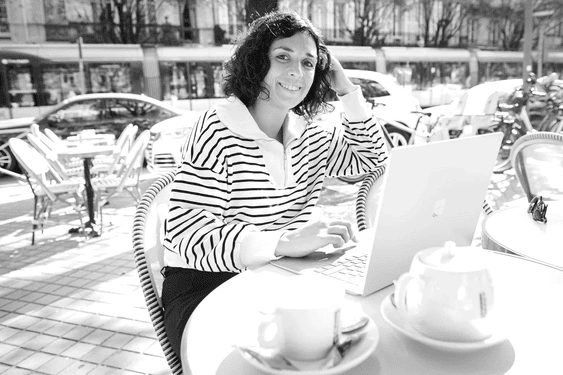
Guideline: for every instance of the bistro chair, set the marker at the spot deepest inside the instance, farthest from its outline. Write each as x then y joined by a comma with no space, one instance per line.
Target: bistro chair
149,257
127,177
537,159
63,170
109,164
46,185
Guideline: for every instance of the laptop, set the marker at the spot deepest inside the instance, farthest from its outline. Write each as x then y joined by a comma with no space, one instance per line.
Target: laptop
431,193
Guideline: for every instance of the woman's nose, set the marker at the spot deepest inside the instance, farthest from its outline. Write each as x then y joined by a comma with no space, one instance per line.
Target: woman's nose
295,70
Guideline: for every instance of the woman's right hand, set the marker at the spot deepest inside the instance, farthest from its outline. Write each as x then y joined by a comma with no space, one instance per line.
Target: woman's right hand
313,236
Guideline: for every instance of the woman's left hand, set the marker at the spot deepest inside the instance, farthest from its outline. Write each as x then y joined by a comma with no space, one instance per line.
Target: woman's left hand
339,82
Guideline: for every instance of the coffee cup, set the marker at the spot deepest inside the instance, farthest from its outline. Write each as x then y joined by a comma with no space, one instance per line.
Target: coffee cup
448,294
304,322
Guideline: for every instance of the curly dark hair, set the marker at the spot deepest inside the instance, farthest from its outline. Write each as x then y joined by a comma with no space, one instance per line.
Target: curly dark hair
249,64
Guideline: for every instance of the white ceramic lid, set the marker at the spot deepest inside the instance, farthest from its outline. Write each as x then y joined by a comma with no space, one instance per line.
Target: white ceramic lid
452,258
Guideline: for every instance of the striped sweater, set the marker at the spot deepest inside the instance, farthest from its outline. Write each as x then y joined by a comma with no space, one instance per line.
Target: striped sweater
236,188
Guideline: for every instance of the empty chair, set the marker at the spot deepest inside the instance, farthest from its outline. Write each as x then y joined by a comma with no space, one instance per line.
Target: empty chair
149,257
57,141
109,164
127,177
46,185
537,159
65,171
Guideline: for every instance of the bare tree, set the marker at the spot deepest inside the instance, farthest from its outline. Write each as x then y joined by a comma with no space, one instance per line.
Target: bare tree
371,17
443,20
134,22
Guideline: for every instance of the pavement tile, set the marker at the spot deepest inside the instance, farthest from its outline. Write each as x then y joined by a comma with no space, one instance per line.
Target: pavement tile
149,365
35,360
6,332
6,348
139,344
16,371
122,358
78,368
97,355
55,365
24,322
117,340
78,333
14,357
78,350
59,329
21,337
29,309
58,346
12,305
38,342
98,336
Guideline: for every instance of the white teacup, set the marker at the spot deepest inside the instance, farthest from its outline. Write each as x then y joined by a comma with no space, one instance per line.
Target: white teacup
448,294
305,321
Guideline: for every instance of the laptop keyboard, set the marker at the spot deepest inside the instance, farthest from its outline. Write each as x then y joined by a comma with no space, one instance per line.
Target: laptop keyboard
351,268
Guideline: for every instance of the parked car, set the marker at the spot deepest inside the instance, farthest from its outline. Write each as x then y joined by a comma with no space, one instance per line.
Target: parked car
388,99
474,109
104,112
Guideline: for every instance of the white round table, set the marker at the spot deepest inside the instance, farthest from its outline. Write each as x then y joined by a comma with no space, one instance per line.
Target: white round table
514,230
527,300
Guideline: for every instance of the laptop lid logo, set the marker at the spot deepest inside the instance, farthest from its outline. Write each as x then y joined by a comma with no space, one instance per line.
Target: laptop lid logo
439,207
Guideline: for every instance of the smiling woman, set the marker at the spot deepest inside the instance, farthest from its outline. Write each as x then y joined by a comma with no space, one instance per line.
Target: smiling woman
253,167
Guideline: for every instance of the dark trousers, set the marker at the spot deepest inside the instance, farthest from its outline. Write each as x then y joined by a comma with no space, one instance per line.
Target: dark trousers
183,289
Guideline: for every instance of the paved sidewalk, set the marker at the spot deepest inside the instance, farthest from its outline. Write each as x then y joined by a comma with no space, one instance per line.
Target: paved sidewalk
70,306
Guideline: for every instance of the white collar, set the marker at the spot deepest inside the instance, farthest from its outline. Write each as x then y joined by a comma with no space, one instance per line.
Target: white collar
236,117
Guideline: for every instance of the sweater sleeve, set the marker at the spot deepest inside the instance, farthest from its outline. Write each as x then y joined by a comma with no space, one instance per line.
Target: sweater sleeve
358,146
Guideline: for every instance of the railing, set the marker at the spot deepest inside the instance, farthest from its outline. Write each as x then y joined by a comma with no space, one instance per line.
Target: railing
112,33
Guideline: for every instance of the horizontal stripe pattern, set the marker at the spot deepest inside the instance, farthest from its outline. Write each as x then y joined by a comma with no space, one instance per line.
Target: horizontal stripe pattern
223,188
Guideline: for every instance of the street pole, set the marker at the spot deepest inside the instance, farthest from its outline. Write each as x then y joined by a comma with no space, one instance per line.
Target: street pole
528,26
541,46
81,68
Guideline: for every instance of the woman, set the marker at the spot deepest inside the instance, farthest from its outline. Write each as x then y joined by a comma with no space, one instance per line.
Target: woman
253,167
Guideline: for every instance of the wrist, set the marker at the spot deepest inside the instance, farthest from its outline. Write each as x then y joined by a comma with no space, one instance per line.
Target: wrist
346,90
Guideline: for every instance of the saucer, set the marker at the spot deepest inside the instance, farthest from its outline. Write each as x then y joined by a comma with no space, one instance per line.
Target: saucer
396,320
356,355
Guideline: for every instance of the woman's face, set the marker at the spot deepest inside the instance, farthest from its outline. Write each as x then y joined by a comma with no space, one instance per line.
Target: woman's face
292,70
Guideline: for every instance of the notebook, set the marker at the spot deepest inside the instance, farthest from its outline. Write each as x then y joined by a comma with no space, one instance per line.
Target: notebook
431,193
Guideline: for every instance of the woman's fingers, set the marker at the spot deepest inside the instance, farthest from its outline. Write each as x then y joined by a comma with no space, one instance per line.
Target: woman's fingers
339,232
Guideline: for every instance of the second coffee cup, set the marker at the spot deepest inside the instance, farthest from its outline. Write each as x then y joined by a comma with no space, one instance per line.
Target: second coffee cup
304,322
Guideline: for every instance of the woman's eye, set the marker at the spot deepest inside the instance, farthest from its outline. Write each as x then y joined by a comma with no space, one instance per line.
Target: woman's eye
309,64
283,57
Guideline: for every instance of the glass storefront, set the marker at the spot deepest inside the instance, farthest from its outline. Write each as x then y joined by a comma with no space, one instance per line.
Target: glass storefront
196,80
109,77
495,71
21,86
61,82
423,75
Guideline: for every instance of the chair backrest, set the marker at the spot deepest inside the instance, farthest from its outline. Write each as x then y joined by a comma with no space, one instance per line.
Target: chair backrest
537,159
125,139
124,143
133,163
48,154
149,257
34,164
368,192
53,137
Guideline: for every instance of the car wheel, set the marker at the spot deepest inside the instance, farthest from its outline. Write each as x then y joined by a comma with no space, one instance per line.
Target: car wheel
398,137
7,160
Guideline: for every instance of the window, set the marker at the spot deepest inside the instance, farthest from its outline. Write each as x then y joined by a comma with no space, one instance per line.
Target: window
110,77
21,86
4,25
370,89
61,82
72,118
